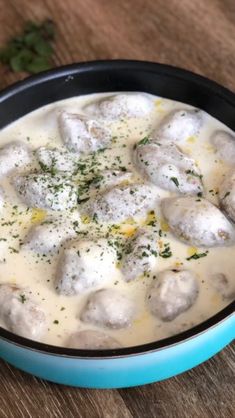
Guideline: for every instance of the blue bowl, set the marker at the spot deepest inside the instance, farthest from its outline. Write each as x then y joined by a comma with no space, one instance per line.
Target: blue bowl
146,363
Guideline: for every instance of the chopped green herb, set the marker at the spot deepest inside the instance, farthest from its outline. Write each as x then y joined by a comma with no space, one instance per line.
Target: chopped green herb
22,298
13,250
226,195
84,200
56,321
175,180
196,256
166,253
151,223
193,173
143,141
10,223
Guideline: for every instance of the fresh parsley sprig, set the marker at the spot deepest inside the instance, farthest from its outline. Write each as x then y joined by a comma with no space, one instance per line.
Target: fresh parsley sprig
32,50
196,256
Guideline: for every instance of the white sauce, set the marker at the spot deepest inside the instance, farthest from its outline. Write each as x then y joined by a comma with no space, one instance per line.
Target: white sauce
25,268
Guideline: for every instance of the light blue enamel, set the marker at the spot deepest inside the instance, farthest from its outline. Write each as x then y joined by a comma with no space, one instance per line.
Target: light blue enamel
123,371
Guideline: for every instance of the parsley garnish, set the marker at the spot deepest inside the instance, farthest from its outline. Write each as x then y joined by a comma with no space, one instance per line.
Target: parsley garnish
193,173
13,250
166,253
143,141
226,194
31,51
22,298
196,256
175,180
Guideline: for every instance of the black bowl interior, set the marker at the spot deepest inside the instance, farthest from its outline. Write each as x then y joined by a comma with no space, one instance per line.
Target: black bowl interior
108,76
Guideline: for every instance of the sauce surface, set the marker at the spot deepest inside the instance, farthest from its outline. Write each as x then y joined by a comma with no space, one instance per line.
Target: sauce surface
37,271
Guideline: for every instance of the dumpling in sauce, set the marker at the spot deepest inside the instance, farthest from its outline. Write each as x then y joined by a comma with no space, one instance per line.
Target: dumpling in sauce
54,160
179,125
224,144
49,235
92,340
110,178
13,156
20,313
222,285
82,135
172,293
227,194
109,308
84,265
169,168
128,105
139,254
197,222
46,191
120,203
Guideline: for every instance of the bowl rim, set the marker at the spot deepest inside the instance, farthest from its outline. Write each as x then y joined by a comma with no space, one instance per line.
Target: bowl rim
166,343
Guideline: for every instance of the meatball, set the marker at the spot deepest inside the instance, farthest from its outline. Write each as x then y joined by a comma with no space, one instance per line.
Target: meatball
92,340
128,105
172,293
20,313
13,156
120,203
46,191
197,222
110,178
224,144
109,308
2,198
169,168
140,254
222,285
49,235
82,135
84,265
179,125
55,160
227,194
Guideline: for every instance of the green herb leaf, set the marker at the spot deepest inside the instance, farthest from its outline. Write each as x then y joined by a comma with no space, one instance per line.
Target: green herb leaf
143,141
193,173
196,256
22,298
175,180
166,253
31,51
38,64
226,195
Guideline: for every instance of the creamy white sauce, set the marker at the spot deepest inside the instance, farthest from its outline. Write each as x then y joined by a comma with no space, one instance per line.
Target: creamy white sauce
26,268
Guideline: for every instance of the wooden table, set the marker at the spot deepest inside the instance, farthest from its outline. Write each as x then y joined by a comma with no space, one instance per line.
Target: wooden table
197,35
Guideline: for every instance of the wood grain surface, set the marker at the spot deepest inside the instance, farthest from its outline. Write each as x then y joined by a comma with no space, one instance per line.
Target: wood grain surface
197,35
